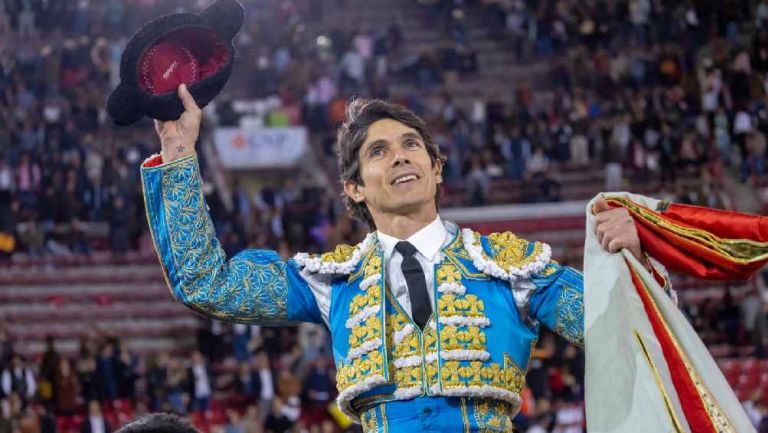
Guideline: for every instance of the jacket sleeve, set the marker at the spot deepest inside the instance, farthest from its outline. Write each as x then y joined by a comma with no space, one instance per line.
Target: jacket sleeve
254,286
558,301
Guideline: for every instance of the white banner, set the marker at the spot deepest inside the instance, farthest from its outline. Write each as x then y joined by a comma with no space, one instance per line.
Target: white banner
240,148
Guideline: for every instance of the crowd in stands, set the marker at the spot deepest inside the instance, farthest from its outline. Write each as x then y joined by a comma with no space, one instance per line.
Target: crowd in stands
680,92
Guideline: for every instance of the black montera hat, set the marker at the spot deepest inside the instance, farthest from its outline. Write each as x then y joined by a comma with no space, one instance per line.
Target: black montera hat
195,49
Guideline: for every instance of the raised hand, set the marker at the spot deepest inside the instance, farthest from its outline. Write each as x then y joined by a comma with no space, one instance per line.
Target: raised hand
178,137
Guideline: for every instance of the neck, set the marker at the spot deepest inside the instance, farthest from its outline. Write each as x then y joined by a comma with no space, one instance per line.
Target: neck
404,226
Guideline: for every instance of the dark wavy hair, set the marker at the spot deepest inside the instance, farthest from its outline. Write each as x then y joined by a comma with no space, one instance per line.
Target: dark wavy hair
361,114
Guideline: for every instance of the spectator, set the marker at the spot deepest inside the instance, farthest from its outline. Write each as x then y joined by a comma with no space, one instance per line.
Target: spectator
286,409
177,386
537,164
265,384
18,378
48,368
242,335
200,384
569,418
234,424
318,388
156,377
67,388
478,183
105,373
252,421
756,147
126,365
95,422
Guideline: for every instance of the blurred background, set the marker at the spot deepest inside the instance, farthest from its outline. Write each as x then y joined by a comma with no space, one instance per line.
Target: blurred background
539,105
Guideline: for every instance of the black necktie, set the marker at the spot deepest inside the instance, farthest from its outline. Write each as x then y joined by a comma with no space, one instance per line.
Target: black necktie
421,308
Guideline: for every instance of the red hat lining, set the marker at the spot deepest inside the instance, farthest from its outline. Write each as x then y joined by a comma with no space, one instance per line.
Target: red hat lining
187,55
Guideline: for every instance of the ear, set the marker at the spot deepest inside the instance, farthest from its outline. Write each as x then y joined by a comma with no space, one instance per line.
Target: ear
354,191
439,171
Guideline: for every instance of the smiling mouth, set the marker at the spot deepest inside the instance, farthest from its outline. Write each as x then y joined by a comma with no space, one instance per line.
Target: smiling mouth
405,179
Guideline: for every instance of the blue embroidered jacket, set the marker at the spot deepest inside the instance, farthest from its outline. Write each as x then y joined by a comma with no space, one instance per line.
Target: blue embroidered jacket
491,294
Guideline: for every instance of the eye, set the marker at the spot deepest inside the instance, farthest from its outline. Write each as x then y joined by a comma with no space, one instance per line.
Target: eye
412,144
377,152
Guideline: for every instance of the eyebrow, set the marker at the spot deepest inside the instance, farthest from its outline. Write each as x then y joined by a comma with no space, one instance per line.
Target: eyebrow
403,136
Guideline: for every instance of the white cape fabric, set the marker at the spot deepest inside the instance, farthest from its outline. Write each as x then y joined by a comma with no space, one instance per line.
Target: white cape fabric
623,394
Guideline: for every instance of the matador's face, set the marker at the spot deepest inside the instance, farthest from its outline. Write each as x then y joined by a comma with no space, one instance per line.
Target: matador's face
398,174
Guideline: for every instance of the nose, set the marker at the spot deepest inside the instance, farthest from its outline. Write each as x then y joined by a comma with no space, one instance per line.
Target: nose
399,158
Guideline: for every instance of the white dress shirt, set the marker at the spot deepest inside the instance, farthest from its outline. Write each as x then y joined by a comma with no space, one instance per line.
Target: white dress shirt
428,242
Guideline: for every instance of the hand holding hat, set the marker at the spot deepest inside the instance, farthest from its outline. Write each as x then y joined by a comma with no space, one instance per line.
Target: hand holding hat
178,137
175,49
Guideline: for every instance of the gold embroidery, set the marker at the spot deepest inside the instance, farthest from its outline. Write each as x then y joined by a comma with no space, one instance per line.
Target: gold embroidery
341,254
369,421
243,288
569,315
408,346
455,253
385,426
716,415
356,274
349,374
463,376
370,298
463,336
550,269
408,377
458,374
492,416
405,377
510,251
432,373
460,305
471,338
667,402
373,266
368,331
464,417
430,339
514,377
742,251
448,273
430,346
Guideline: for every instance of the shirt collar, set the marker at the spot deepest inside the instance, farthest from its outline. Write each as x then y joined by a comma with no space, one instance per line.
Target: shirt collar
428,240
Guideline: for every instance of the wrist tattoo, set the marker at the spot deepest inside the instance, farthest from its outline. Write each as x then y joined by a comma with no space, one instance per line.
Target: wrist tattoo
180,149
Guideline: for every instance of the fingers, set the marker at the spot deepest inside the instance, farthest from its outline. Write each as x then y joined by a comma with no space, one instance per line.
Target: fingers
186,98
609,215
600,205
610,240
615,229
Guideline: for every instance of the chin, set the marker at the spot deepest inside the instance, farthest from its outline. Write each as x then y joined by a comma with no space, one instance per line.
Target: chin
408,204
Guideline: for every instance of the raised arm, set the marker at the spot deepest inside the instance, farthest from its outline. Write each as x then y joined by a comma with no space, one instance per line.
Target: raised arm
254,286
